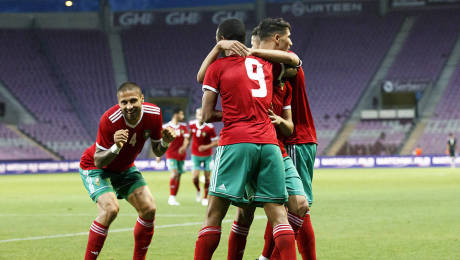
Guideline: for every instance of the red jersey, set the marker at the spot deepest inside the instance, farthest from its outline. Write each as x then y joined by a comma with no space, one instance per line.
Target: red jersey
181,133
245,85
202,135
304,127
282,96
148,126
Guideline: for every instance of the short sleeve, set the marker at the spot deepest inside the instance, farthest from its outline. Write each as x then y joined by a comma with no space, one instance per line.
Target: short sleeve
105,133
211,79
156,128
212,134
288,97
186,132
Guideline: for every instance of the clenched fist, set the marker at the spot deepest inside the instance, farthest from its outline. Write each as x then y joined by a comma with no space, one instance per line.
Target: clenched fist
168,135
121,137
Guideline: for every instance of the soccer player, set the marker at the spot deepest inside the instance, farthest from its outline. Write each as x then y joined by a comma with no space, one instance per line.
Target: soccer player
203,140
248,164
452,149
301,147
175,156
108,172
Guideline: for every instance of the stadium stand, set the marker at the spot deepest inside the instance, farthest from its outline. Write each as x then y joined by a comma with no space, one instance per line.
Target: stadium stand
423,58
376,137
445,120
340,56
14,147
28,74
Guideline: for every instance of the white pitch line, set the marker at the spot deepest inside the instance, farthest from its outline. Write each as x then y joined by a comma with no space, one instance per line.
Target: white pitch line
110,231
91,215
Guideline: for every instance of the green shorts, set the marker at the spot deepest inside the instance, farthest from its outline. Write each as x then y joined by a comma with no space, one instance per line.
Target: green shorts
201,160
246,173
100,181
294,185
303,156
174,164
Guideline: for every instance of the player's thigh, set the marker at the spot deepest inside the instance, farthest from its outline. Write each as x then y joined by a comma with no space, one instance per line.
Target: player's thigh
172,164
196,163
270,182
180,167
142,199
245,216
126,182
108,202
216,211
96,183
233,163
207,161
294,185
303,156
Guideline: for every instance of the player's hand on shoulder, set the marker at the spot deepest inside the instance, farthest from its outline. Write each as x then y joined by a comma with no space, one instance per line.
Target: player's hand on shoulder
235,46
168,134
276,120
121,137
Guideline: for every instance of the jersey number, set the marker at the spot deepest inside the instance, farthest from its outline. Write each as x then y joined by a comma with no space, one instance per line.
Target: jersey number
258,75
133,140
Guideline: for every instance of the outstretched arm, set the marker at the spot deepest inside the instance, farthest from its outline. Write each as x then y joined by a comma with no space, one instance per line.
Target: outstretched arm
223,45
288,58
167,136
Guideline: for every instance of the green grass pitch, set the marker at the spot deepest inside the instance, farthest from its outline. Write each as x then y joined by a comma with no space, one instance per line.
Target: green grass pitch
357,214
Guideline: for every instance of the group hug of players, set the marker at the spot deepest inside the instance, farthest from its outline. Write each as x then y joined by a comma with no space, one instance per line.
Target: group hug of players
265,154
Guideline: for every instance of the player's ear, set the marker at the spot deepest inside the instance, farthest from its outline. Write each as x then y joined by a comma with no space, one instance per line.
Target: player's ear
142,98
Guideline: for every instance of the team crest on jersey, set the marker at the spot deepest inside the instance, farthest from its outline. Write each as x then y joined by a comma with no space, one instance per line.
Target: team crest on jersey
147,134
181,132
204,134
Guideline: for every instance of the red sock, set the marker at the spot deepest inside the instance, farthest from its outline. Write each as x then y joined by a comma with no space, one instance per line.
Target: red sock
96,238
206,188
207,242
269,242
306,239
237,241
295,221
284,242
177,186
172,186
143,233
196,182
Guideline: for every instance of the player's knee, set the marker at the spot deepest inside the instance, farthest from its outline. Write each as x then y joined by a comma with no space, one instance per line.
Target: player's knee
149,211
303,207
111,211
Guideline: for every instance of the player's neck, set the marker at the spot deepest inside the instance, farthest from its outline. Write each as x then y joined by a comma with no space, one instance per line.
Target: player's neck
267,45
174,121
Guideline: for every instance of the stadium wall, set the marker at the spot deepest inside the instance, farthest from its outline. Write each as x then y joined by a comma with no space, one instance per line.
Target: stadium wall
34,167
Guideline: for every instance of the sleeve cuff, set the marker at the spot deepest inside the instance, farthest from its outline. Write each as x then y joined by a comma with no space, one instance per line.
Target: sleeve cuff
156,141
287,107
187,135
206,87
215,138
300,64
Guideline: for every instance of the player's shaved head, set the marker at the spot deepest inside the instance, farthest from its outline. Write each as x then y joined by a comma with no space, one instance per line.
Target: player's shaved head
271,26
232,29
129,86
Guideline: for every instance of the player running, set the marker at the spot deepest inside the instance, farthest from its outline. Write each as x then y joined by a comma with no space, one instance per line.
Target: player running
203,140
248,164
108,172
175,156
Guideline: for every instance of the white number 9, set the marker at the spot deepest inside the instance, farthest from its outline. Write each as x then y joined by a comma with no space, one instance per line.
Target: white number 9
258,75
